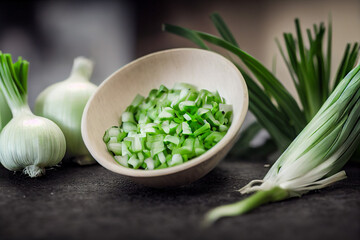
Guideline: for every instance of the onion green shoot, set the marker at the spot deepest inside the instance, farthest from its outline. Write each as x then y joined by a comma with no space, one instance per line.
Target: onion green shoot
314,159
270,102
169,127
325,125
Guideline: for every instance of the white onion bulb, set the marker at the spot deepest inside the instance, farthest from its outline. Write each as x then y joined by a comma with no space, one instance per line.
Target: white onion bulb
64,103
31,144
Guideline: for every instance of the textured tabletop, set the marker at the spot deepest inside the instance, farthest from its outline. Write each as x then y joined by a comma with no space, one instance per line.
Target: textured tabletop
93,203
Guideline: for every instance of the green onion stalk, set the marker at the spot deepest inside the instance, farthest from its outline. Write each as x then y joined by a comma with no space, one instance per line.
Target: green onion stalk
28,143
316,156
274,108
5,112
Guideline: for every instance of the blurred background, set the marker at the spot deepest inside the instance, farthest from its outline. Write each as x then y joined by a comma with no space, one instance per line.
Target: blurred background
50,34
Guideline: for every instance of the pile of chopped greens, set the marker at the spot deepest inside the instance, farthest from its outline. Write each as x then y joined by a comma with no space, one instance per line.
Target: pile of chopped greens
169,127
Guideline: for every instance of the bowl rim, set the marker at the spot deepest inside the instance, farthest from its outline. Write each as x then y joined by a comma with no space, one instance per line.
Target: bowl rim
232,132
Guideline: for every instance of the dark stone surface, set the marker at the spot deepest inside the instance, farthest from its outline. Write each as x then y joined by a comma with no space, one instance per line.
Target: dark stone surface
91,202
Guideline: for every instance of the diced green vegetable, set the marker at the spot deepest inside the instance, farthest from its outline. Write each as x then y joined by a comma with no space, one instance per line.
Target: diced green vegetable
123,160
111,132
172,139
134,162
168,127
115,147
137,100
150,164
127,117
129,127
176,160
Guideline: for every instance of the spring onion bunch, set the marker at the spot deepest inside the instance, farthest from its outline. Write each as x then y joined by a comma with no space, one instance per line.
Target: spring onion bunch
169,127
273,106
28,142
315,158
64,103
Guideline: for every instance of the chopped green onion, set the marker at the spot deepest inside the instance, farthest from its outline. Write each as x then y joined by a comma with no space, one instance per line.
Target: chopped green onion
123,160
115,148
137,100
134,162
186,130
127,117
172,139
176,160
129,127
150,164
168,127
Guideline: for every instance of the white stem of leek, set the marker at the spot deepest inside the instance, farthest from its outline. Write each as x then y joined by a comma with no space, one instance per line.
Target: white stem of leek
314,159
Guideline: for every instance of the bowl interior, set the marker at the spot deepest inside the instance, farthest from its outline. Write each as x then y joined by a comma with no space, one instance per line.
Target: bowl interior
204,69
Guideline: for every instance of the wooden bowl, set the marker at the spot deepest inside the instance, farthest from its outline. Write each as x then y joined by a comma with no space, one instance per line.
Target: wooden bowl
204,69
